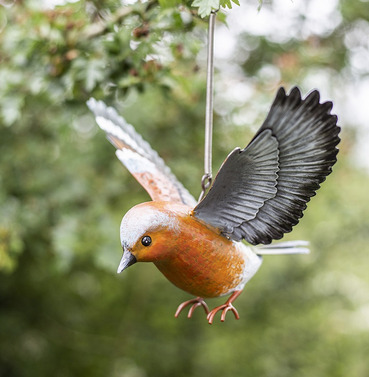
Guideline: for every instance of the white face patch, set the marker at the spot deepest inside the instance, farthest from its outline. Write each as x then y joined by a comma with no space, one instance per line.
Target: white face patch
140,220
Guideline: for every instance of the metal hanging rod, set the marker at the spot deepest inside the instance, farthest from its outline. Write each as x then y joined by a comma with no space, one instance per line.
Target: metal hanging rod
207,177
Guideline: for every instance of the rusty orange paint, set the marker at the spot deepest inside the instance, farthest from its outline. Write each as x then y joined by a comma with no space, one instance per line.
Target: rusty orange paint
193,256
157,183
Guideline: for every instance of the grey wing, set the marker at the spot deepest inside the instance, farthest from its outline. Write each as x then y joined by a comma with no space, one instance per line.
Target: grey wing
138,157
260,192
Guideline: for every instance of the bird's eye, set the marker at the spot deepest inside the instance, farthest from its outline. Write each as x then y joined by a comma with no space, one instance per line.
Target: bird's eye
146,240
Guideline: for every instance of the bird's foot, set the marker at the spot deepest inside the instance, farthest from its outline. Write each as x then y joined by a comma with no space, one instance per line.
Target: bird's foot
225,308
198,301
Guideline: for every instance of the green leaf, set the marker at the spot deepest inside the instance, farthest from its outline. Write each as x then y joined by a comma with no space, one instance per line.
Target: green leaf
228,3
11,109
206,6
169,3
94,73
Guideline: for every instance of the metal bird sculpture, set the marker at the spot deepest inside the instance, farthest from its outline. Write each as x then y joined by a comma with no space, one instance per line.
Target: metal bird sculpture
259,193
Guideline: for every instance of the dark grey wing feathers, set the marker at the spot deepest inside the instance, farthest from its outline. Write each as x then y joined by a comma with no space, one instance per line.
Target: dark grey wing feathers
245,181
307,146
306,136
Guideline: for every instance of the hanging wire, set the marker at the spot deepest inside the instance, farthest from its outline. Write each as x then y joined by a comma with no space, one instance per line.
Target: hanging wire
207,177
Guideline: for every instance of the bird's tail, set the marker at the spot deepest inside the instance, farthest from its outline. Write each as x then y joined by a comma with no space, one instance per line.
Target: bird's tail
289,247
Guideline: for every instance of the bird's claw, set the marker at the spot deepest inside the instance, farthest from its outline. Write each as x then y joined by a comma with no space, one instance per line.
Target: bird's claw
198,301
224,308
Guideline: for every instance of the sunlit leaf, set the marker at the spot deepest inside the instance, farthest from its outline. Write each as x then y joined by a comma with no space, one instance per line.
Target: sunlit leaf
206,6
11,109
95,71
228,3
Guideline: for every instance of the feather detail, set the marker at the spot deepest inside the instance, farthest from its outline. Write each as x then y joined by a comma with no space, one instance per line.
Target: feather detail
140,159
244,182
261,193
280,248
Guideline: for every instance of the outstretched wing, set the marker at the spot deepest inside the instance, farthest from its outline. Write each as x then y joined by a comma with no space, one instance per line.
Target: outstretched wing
138,157
260,192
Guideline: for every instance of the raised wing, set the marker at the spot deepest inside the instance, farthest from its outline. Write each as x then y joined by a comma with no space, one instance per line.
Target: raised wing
138,157
260,192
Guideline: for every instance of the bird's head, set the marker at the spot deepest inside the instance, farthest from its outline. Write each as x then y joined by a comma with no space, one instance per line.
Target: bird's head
147,231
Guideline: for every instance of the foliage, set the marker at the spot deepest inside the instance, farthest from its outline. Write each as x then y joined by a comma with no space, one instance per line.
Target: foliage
63,310
207,6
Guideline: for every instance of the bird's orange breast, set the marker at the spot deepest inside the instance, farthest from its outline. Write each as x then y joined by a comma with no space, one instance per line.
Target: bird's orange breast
199,260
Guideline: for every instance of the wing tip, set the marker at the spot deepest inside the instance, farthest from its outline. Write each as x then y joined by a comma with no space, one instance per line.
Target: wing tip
311,102
313,118
91,103
96,106
100,109
312,98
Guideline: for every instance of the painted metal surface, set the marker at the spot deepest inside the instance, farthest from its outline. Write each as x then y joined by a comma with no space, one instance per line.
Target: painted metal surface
194,257
258,195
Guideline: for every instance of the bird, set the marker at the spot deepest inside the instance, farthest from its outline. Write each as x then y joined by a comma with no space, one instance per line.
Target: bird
213,247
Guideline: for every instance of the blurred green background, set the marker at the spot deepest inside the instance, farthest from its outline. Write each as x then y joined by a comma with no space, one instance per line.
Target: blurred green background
63,309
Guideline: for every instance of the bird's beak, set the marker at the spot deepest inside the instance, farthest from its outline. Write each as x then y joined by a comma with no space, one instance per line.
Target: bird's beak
127,260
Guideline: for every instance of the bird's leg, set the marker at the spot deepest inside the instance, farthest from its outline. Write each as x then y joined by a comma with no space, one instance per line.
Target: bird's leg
198,301
224,308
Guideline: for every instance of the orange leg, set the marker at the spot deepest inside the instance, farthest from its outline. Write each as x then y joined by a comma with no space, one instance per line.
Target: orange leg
198,301
224,308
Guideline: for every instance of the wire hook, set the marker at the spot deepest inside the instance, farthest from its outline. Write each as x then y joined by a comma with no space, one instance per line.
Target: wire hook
207,177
